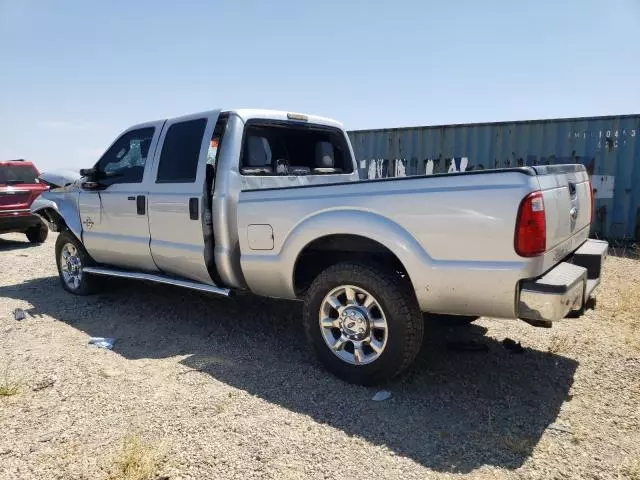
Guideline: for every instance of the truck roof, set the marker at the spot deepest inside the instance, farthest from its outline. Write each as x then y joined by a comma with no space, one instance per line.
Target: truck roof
250,113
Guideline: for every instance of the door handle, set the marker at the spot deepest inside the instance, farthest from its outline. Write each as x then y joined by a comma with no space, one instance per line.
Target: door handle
141,205
193,208
573,213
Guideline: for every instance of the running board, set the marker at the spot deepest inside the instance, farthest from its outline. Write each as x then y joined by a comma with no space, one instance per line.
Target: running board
203,287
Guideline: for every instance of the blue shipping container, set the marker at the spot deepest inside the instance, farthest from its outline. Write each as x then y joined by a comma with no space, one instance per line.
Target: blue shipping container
609,147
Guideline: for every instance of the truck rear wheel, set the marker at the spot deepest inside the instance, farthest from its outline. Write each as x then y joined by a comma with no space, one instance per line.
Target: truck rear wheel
71,258
364,324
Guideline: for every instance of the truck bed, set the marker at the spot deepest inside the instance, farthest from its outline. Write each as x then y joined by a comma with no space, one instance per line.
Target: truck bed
453,233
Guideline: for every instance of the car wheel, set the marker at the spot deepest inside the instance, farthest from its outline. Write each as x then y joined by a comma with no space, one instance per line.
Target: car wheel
37,233
365,325
71,258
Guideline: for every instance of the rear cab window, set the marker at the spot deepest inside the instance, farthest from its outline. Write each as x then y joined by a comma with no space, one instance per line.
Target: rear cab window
272,148
16,174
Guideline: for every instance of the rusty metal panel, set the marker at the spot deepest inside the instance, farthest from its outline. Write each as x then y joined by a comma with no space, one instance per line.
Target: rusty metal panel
608,146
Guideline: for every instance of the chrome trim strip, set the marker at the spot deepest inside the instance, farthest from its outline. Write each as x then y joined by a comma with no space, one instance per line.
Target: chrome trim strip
13,192
158,279
19,210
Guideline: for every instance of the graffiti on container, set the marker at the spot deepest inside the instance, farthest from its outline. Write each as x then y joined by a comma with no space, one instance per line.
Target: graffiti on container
460,166
607,140
401,167
378,168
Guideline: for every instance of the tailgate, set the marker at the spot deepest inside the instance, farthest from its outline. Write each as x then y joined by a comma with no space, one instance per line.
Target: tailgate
14,198
19,197
567,201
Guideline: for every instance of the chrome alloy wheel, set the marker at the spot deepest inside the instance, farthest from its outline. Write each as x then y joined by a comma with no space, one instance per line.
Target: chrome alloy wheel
71,266
353,325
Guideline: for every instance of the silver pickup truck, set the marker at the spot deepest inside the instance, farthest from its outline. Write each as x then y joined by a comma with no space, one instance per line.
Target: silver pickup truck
272,203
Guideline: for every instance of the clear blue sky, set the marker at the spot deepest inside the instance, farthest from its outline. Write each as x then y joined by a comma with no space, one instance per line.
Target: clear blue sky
76,73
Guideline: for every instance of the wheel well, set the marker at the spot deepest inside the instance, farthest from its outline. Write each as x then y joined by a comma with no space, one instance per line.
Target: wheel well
54,219
329,250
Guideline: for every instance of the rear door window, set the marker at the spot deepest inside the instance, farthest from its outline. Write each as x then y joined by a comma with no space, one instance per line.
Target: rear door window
181,152
17,174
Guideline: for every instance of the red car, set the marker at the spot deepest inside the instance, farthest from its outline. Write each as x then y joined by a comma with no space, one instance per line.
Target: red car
19,186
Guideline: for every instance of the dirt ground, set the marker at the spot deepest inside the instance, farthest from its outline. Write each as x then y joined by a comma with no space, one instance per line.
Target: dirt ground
227,388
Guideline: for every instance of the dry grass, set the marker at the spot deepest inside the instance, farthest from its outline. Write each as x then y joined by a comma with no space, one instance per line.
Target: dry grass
8,388
136,460
632,470
621,303
629,302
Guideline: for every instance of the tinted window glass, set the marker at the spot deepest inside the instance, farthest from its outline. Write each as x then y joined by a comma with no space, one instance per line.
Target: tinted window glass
292,149
181,151
16,174
124,162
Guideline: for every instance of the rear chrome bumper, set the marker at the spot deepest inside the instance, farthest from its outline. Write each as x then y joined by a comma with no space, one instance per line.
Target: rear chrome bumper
565,288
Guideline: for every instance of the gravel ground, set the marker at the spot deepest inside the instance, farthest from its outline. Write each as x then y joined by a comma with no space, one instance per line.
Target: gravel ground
228,388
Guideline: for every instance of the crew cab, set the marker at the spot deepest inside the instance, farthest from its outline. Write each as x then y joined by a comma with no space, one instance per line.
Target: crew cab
19,186
272,203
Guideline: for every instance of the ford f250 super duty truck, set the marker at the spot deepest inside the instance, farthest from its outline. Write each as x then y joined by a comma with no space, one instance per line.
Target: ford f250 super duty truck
272,203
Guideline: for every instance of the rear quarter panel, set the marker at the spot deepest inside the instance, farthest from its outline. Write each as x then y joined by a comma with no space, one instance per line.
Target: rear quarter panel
453,233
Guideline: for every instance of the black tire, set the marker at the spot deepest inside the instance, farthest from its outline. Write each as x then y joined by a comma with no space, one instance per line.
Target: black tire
405,327
87,283
37,233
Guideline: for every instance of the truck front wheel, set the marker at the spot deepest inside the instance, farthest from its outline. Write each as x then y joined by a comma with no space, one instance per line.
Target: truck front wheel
71,258
364,324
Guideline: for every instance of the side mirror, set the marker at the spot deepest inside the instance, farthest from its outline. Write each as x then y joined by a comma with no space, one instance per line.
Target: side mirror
91,185
87,172
91,179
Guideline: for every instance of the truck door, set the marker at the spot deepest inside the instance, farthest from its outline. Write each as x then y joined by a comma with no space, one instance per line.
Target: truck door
114,217
177,197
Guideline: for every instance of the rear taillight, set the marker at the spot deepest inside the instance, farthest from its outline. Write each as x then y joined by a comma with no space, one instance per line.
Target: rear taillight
593,201
531,226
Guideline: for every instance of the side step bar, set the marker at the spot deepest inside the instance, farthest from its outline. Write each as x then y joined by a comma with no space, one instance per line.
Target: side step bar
203,287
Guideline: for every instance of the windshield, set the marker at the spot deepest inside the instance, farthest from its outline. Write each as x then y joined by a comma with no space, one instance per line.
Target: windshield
16,174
